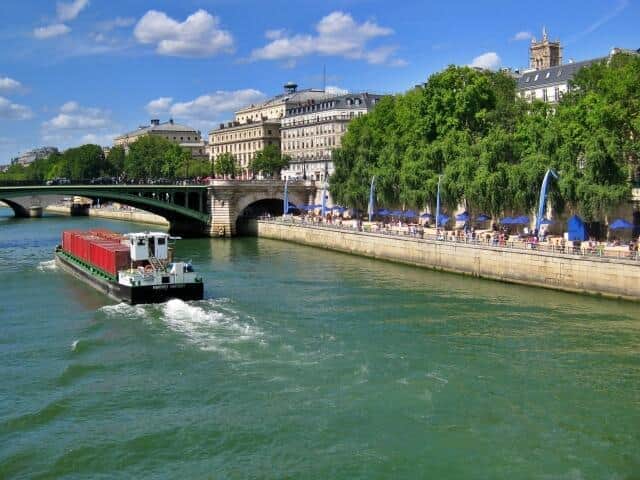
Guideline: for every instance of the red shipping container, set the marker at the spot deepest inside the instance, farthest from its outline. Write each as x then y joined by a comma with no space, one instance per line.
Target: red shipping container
99,247
108,256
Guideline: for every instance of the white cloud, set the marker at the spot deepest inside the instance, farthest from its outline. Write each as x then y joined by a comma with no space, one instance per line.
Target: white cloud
488,61
9,85
49,31
118,22
159,105
274,34
522,36
206,108
333,90
69,11
74,117
199,35
99,139
75,124
337,34
13,111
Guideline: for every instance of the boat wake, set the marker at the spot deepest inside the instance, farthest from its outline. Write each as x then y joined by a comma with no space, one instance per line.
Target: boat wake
211,325
47,266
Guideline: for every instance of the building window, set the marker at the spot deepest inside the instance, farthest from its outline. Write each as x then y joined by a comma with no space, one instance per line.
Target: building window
556,94
544,95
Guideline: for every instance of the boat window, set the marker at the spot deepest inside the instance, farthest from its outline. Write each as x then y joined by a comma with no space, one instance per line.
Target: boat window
141,241
161,241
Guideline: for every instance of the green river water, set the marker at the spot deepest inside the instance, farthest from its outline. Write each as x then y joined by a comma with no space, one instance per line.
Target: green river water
303,363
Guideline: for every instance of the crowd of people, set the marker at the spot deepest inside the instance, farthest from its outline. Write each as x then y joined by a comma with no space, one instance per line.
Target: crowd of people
496,235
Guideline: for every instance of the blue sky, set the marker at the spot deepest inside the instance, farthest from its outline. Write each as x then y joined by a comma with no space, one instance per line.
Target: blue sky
77,71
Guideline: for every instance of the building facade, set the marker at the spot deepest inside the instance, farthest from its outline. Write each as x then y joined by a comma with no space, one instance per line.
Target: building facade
544,53
547,78
188,138
243,140
30,156
257,126
311,131
550,84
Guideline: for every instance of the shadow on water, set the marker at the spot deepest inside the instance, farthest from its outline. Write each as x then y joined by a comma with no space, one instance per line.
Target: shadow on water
321,271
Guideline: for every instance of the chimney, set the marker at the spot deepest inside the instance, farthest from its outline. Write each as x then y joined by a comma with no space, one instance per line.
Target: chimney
155,121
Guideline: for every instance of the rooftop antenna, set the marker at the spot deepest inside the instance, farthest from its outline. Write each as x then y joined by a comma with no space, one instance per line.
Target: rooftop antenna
324,79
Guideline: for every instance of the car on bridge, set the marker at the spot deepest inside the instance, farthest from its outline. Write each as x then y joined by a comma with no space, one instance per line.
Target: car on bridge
103,181
58,181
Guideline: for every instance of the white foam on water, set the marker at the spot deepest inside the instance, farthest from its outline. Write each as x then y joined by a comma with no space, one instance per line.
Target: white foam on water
210,325
126,310
74,345
47,266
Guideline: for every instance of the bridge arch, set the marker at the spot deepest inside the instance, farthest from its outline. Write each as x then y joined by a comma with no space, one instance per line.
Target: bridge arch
19,210
182,219
258,203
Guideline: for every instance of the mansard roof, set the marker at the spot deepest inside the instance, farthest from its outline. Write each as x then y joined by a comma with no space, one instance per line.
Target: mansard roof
548,77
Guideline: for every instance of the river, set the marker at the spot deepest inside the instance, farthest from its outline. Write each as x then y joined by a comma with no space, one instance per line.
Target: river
304,363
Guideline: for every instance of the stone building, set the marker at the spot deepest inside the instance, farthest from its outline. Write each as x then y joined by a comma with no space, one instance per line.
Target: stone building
30,156
257,126
187,137
311,131
243,140
545,53
547,78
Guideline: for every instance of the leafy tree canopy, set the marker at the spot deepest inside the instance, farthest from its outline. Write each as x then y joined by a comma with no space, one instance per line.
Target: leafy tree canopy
492,148
269,161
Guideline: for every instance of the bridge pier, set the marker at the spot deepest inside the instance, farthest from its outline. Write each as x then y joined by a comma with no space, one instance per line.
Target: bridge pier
228,199
222,214
35,211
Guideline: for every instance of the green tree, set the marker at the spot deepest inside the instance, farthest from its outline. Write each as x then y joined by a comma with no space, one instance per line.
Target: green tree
116,159
269,161
148,156
225,164
172,161
85,162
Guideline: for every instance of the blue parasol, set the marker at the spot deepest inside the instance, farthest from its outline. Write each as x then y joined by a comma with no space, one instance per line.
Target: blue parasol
482,218
620,224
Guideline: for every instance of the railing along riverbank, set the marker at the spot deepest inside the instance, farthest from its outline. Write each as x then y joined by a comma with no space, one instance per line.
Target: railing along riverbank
591,250
569,271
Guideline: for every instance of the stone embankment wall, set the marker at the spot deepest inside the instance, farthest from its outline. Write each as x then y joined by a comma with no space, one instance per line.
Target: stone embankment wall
127,216
611,278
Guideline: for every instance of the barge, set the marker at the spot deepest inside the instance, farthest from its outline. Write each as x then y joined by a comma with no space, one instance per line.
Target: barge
133,268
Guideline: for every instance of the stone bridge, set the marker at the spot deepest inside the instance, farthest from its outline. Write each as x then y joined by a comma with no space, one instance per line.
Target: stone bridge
210,210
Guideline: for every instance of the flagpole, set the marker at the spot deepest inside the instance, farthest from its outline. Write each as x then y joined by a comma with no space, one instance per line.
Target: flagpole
372,191
438,203
285,207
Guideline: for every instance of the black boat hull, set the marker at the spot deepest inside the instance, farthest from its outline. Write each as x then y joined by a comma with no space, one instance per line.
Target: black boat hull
133,295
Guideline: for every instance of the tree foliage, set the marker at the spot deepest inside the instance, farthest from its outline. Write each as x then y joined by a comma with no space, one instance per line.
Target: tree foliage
269,161
225,164
492,148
